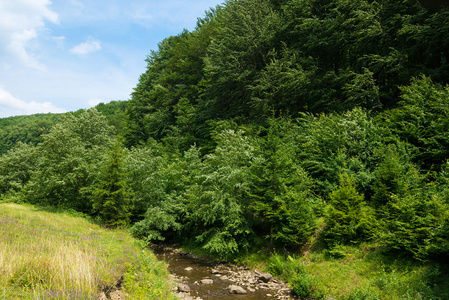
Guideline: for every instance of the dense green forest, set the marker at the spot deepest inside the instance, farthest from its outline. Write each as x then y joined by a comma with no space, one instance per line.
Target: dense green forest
272,125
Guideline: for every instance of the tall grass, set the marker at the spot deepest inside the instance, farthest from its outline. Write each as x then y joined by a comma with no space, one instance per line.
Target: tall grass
46,255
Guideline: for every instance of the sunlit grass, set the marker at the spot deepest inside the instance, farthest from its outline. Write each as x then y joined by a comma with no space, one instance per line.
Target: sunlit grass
46,255
357,272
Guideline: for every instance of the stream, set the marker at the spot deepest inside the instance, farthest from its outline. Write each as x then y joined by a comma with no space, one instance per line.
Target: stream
207,279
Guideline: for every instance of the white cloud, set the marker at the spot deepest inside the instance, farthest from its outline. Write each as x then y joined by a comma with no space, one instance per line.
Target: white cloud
12,106
21,21
87,47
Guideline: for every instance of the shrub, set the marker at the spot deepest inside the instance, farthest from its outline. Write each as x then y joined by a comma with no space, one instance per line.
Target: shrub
284,268
305,287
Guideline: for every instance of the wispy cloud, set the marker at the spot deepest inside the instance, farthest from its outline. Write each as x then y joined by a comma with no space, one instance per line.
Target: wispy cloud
20,22
10,105
87,47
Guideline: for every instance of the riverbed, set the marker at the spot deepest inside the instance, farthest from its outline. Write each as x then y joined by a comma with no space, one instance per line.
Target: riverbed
202,278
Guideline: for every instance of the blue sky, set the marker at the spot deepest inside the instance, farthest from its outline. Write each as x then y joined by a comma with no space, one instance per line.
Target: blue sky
63,55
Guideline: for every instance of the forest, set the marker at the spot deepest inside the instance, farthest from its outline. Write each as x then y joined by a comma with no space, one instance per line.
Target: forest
275,125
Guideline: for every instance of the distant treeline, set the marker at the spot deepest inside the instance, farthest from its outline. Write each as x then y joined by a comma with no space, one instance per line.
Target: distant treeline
30,129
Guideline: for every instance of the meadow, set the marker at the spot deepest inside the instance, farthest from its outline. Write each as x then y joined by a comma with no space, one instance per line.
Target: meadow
58,255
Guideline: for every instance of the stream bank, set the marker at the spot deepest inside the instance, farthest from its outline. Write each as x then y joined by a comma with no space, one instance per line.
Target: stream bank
201,278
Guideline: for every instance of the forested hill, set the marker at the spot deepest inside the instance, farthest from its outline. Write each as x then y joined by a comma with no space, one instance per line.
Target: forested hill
249,59
30,129
315,128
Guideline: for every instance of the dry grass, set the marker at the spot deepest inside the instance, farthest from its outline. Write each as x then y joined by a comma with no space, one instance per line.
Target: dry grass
47,255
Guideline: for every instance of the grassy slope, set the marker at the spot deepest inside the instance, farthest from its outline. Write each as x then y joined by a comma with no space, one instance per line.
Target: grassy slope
45,255
359,272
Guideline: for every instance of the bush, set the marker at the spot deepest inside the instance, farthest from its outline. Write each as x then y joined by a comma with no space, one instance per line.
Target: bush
305,287
362,294
284,268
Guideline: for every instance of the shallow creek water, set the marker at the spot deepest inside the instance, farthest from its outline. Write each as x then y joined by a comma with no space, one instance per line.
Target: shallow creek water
201,268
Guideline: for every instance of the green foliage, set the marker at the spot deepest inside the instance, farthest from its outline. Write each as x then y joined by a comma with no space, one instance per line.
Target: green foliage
393,175
332,144
112,197
159,184
217,196
147,278
115,113
284,268
164,103
241,50
30,129
68,158
304,286
417,224
362,294
282,84
348,218
281,193
25,129
413,213
16,167
363,50
422,121
238,129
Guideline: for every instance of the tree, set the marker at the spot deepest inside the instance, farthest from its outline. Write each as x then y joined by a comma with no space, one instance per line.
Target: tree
245,36
159,182
26,129
416,221
421,120
164,103
220,219
112,197
17,166
281,192
348,218
330,144
69,156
